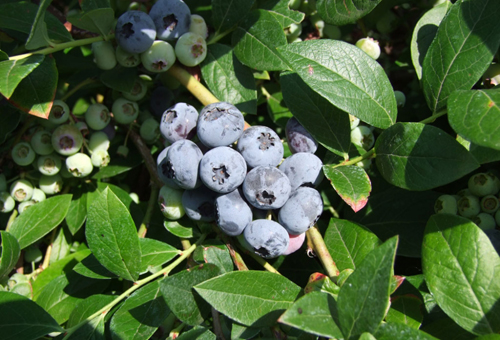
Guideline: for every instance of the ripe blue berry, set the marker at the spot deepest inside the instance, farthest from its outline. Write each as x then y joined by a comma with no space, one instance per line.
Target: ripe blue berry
260,146
299,140
220,124
161,99
301,211
172,18
67,139
135,32
266,187
163,169
303,169
182,164
233,213
22,154
199,204
179,122
267,238
222,169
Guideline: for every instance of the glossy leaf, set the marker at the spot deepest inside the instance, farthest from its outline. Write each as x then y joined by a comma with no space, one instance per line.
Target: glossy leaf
180,298
77,213
92,268
349,243
228,79
23,319
61,295
346,76
121,79
255,41
13,71
344,12
10,252
464,46
445,327
390,331
327,124
35,93
416,156
484,155
226,14
40,219
61,246
265,296
314,313
424,32
98,20
90,330
179,230
141,314
406,309
458,256
280,10
112,236
351,182
155,253
220,257
39,36
364,298
87,307
197,333
476,116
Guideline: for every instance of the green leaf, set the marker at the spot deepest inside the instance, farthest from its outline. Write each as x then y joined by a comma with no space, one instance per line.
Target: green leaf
13,71
277,110
175,228
364,298
61,246
255,41
416,156
349,243
314,313
346,11
90,330
87,307
407,310
77,213
424,32
141,314
484,155
228,79
40,219
88,5
98,20
464,46
476,116
177,291
351,182
10,252
220,257
226,14
36,92
458,257
327,124
155,253
197,333
112,236
390,331
445,327
92,268
39,36
265,296
280,10
339,72
61,295
23,319
9,120
120,78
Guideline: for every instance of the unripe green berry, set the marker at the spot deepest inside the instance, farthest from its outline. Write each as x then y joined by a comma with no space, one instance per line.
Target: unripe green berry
59,113
387,22
99,141
49,165
400,98
33,254
125,111
490,204
159,57
127,59
170,201
67,139
198,26
7,203
51,185
100,158
79,164
97,116
482,184
445,204
134,197
83,127
23,154
104,55
150,130
138,91
23,206
38,195
41,142
362,136
21,190
468,206
191,49
294,4
293,31
463,192
370,47
122,151
354,121
332,32
485,221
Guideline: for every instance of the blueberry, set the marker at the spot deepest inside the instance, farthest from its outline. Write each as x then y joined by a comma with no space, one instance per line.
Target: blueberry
170,201
138,91
21,190
135,31
296,242
303,169
100,158
233,213
183,160
445,204
51,185
7,203
79,164
159,57
260,146
222,169
41,142
362,136
49,164
67,140
468,206
299,140
160,100
369,46
199,204
301,211
97,116
482,184
267,238
150,130
266,187
22,154
172,18
59,113
127,59
191,49
220,124
198,25
98,141
125,111
163,169
104,55
179,122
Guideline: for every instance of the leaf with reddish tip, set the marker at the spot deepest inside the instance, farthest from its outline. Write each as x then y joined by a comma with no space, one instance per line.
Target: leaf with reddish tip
351,183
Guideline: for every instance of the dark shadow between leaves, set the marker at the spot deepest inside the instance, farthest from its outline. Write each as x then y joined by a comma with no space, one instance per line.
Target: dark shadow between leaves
425,36
148,312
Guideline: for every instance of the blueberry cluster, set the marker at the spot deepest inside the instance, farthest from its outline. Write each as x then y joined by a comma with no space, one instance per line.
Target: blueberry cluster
237,177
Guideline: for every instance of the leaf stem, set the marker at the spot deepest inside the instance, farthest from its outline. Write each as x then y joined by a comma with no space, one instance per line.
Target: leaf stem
322,252
435,116
218,36
77,87
194,86
148,159
237,259
355,160
153,198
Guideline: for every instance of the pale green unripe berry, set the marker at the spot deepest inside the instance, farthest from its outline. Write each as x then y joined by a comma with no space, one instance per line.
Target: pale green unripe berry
150,130
159,57
198,26
97,116
122,151
104,55
134,197
67,139
293,31
370,47
400,98
38,195
125,111
23,154
7,203
468,206
49,165
485,221
59,113
294,4
362,136
51,185
21,190
3,183
354,121
332,32
446,204
482,184
82,127
99,141
79,164
170,201
23,206
127,59
138,91
100,158
191,49
490,204
41,142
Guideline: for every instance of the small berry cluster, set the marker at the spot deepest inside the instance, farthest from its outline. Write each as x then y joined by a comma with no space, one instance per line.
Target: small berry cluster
238,178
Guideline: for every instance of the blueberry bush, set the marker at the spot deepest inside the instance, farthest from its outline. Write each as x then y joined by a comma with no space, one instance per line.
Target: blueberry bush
249,169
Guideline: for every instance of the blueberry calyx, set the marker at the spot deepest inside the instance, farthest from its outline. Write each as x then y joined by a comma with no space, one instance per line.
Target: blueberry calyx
220,174
266,197
265,140
170,22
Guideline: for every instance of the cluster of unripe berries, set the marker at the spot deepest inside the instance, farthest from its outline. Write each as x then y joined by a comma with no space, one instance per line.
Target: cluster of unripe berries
237,177
148,38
